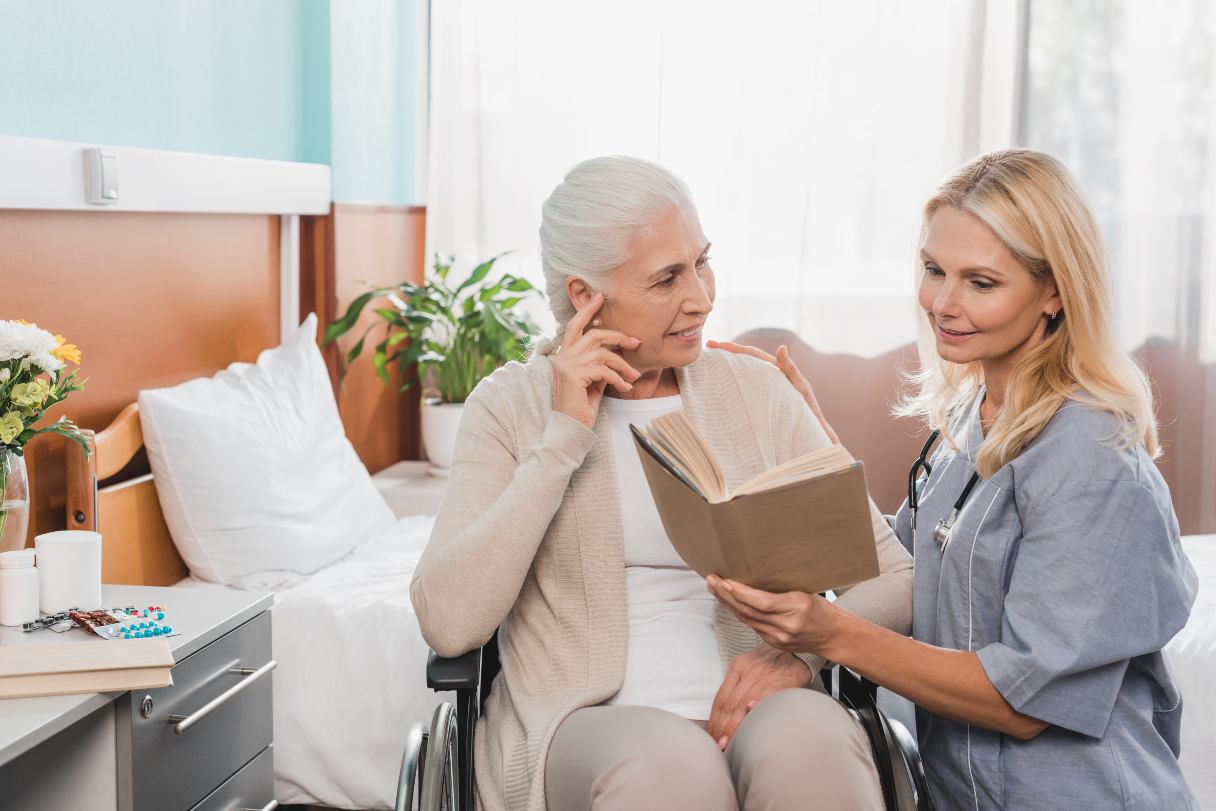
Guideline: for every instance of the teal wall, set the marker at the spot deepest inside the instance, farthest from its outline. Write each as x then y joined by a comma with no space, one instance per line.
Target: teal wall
298,80
373,99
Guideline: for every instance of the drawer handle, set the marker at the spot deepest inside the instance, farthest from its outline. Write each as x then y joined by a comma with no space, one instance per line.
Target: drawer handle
270,806
182,723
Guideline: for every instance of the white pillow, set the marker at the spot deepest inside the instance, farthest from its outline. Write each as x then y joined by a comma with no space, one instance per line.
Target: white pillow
257,481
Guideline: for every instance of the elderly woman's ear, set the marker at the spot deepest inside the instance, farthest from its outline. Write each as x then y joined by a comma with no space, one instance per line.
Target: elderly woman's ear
579,291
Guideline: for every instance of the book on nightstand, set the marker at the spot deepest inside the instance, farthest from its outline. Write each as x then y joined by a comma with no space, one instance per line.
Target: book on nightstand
92,666
804,525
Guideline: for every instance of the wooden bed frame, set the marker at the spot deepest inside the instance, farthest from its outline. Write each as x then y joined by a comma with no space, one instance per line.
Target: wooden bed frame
136,548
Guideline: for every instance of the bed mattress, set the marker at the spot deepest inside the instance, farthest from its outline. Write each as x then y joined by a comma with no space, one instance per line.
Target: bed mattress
1192,656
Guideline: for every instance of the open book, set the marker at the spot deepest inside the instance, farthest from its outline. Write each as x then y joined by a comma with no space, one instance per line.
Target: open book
804,525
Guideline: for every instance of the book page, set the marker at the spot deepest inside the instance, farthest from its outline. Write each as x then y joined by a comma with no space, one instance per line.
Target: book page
677,437
808,466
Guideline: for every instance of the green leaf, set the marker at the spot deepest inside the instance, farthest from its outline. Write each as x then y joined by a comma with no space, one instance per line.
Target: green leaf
357,349
478,274
516,284
344,324
396,338
380,361
443,264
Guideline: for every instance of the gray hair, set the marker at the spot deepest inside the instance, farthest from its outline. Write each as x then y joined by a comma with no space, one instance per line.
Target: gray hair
588,221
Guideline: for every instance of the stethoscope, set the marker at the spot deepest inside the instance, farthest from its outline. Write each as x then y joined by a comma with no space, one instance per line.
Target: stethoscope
917,476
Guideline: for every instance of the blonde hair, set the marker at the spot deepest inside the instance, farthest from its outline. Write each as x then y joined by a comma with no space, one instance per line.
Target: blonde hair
1033,205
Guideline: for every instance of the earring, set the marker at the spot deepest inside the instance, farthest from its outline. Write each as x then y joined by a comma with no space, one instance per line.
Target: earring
595,322
1053,315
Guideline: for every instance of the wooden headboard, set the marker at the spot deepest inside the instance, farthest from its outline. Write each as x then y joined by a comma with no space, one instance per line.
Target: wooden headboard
204,261
136,545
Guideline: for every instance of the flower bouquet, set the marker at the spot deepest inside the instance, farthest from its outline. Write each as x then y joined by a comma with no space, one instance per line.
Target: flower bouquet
32,379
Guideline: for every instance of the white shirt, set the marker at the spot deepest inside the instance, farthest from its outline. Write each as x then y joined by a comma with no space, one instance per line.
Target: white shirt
672,660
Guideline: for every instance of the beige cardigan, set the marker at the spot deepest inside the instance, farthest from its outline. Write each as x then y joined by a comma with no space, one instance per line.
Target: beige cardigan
528,540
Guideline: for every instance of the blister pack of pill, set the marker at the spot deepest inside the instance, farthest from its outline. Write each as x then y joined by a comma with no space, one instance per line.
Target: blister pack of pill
136,629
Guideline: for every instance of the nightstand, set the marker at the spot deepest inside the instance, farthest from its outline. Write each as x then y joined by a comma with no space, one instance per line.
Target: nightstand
203,743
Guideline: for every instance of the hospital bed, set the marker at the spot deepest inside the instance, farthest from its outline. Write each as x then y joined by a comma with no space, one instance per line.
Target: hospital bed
1192,656
349,679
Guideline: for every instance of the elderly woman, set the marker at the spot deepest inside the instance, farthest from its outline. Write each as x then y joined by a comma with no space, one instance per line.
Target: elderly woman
623,684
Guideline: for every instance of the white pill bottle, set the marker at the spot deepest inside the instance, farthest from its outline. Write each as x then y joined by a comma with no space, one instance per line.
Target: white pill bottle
18,587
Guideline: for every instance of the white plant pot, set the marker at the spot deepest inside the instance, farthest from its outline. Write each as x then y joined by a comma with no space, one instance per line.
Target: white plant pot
439,424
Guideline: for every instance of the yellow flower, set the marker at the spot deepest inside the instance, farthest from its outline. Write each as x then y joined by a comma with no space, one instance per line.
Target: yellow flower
30,396
10,426
68,353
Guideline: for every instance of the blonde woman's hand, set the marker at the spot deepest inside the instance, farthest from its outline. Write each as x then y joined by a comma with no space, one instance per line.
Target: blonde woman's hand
586,364
792,373
791,621
752,676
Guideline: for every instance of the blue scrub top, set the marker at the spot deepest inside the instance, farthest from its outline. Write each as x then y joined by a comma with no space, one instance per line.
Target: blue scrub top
1064,573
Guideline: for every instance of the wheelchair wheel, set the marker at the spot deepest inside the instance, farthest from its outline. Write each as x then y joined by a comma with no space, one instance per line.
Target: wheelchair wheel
412,763
439,767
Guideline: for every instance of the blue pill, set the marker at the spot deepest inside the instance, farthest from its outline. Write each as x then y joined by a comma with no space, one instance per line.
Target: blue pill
160,615
126,636
168,629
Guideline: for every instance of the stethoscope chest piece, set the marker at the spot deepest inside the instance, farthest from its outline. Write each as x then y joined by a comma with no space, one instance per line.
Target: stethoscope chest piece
917,476
945,526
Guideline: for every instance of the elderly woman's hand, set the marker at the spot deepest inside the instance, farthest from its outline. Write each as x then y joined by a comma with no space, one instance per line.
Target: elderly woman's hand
752,676
792,621
586,364
792,373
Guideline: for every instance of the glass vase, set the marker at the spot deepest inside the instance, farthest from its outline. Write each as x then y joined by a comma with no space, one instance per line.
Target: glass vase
14,501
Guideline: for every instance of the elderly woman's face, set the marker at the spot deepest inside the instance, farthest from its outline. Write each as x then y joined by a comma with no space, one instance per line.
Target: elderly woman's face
663,293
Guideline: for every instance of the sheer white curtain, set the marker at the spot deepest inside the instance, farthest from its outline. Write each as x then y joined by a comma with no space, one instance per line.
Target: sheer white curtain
1125,93
810,133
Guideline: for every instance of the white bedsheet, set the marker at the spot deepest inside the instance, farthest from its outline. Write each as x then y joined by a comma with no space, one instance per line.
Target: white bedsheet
351,677
1192,655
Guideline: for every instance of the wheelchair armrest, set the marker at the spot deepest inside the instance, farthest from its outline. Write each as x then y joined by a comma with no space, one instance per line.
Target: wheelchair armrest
855,690
461,672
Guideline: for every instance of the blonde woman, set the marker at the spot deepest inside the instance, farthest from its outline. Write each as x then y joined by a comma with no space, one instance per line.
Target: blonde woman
1048,572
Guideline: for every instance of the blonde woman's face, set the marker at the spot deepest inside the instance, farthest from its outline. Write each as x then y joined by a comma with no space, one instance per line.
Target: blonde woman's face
982,305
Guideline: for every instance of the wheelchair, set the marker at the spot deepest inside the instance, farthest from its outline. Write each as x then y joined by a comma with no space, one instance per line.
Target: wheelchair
437,767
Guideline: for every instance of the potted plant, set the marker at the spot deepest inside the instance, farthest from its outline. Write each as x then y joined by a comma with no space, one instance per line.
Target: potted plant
32,379
457,334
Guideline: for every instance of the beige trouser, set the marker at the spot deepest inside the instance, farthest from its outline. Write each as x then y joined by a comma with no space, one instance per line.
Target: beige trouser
797,749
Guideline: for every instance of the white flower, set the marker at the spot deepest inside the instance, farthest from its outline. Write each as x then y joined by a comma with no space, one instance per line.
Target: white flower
27,341
5,374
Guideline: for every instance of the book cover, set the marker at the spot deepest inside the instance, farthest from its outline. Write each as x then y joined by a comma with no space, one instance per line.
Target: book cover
810,535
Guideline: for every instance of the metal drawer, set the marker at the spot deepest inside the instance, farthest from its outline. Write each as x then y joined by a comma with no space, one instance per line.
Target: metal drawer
173,749
250,789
